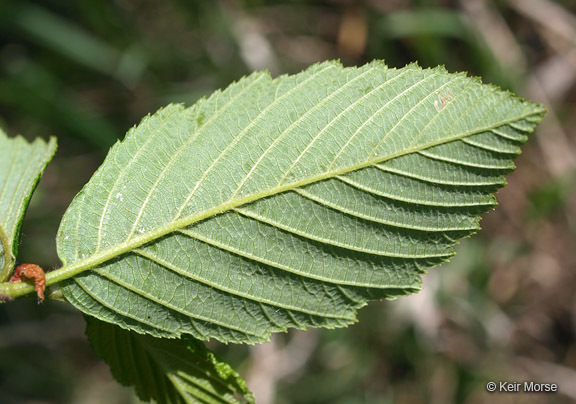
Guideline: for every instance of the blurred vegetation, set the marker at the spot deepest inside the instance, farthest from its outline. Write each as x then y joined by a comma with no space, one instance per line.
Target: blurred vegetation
504,309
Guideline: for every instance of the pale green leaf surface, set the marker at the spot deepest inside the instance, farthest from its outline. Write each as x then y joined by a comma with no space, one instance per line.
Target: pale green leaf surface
288,202
166,370
21,165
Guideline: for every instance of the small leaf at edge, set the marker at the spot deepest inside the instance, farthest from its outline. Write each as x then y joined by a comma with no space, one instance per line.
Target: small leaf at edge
21,166
170,371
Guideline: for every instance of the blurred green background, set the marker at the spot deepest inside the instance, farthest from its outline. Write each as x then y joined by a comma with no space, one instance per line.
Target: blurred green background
503,310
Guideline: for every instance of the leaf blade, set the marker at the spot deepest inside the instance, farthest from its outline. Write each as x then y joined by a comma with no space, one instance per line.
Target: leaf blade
231,209
21,166
168,371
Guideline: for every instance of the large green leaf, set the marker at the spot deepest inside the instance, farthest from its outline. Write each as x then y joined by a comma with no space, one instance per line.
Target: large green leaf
166,370
288,202
21,165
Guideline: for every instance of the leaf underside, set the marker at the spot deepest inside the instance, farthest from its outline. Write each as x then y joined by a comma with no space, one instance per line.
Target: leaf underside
168,371
289,202
21,165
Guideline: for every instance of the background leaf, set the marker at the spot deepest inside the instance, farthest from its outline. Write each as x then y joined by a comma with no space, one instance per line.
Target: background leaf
21,165
288,202
506,296
166,370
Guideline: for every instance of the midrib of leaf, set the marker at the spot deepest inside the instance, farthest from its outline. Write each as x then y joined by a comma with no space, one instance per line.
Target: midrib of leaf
68,271
280,136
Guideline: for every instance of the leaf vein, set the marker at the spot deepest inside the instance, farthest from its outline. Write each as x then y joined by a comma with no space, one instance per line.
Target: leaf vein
300,119
434,181
327,241
242,134
183,147
339,208
365,188
227,290
277,265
